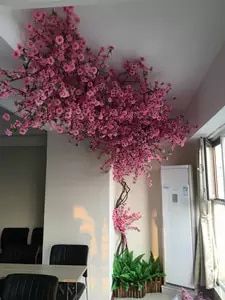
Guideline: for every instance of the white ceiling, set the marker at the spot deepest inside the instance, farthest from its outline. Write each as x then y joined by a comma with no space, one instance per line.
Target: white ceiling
179,38
53,3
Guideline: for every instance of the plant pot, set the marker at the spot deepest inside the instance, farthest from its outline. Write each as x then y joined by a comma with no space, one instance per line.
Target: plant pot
154,286
130,293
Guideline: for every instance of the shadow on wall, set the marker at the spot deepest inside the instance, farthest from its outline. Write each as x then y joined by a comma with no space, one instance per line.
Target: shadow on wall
156,213
99,242
155,232
87,227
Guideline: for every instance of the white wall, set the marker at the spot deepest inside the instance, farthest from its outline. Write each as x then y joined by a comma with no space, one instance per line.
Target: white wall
112,234
77,208
79,202
210,97
22,186
11,30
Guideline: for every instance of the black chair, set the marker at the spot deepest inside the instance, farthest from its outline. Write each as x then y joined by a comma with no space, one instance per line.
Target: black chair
19,255
37,243
2,282
30,287
14,237
70,255
37,237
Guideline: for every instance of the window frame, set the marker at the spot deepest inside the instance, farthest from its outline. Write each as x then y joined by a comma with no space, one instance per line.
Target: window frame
213,143
220,140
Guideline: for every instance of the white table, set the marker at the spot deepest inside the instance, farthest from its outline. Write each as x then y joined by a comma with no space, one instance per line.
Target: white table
67,274
63,273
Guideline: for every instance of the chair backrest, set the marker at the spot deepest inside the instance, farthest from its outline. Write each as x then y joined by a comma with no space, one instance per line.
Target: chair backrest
19,255
37,237
69,255
14,236
30,287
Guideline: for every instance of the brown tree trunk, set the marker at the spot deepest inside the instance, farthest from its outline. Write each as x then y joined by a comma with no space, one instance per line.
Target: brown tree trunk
122,201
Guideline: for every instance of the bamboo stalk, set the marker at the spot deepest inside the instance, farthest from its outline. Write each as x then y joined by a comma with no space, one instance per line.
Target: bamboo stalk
154,286
131,293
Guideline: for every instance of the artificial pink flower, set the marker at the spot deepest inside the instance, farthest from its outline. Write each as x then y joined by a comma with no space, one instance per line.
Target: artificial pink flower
59,130
36,124
91,119
6,117
17,124
16,54
185,295
59,111
38,15
23,131
68,115
64,93
59,40
123,219
81,57
57,102
69,9
75,46
94,70
19,47
30,27
66,67
51,60
39,101
8,132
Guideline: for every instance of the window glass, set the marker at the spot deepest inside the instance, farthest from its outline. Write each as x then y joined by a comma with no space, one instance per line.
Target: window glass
219,172
219,207
210,172
219,221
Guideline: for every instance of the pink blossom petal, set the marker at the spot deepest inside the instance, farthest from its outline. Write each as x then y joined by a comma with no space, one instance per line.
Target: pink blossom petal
6,117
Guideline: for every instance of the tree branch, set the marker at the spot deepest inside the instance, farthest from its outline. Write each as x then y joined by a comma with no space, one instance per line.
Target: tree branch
124,194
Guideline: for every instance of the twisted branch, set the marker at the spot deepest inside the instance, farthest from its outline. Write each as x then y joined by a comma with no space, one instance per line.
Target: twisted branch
122,246
124,194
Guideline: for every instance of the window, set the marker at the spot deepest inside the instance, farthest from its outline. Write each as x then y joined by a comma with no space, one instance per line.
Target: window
215,153
219,223
219,172
215,158
210,172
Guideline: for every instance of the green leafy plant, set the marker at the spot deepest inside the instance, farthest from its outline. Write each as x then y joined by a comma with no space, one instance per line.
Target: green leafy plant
134,272
129,271
155,267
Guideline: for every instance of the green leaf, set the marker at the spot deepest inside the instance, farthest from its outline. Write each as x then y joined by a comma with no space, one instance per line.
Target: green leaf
130,271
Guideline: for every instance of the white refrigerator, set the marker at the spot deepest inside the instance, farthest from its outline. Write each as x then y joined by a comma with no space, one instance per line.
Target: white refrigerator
179,226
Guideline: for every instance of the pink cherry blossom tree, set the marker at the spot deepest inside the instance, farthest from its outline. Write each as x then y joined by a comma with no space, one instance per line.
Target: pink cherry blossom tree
63,84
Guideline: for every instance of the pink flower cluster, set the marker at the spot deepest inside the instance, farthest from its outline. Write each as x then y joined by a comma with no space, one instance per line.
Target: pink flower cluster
72,89
185,295
123,219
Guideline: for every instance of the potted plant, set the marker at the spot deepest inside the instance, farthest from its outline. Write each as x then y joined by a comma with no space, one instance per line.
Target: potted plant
129,276
156,275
